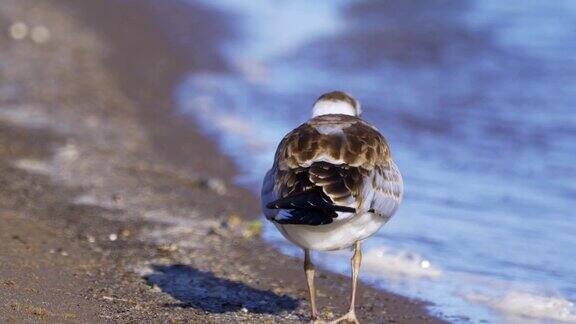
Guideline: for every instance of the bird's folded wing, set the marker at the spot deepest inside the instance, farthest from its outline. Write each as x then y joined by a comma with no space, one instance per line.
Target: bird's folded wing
386,187
336,160
268,194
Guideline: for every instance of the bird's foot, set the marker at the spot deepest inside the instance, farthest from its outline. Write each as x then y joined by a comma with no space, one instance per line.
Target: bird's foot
350,317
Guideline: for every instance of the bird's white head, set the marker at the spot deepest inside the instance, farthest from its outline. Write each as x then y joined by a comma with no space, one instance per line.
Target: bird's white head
336,102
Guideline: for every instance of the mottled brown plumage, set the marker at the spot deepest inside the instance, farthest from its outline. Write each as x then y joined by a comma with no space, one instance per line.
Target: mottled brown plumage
345,150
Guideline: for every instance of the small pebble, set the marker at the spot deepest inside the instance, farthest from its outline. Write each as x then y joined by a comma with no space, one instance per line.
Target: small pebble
217,185
9,283
124,233
18,30
233,221
168,247
116,198
113,237
40,34
253,228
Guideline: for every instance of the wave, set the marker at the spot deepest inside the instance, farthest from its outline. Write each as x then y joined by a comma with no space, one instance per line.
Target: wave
516,304
398,263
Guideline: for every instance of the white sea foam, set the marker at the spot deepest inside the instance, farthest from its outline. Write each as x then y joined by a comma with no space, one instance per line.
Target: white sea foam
524,304
29,116
398,263
57,167
264,19
34,166
92,199
253,71
239,126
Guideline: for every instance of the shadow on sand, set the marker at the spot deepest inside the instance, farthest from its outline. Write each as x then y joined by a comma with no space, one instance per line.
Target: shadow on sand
202,290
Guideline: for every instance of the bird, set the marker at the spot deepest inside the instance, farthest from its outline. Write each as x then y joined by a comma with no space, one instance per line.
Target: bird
333,184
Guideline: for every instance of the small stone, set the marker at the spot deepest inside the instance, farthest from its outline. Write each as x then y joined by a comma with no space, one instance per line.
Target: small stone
40,34
233,221
253,228
124,233
18,30
113,237
168,247
9,283
217,185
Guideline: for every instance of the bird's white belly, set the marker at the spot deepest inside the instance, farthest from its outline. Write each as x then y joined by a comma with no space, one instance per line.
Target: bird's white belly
335,236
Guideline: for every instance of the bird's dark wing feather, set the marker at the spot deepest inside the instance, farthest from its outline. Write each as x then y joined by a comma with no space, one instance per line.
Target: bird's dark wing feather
312,199
307,202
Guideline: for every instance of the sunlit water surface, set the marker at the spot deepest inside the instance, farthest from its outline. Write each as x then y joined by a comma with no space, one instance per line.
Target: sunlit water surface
478,102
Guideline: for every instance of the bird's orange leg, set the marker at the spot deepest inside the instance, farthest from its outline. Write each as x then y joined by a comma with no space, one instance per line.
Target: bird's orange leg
350,317
309,270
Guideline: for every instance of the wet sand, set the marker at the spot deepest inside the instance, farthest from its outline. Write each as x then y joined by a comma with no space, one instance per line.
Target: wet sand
115,209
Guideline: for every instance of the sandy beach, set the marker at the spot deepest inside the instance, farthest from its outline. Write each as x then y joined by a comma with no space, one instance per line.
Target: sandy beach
115,209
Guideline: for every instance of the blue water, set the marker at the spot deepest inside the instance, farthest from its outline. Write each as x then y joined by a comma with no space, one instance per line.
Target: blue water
478,101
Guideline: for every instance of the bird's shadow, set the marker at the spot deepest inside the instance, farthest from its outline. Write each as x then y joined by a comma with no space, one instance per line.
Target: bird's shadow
202,290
